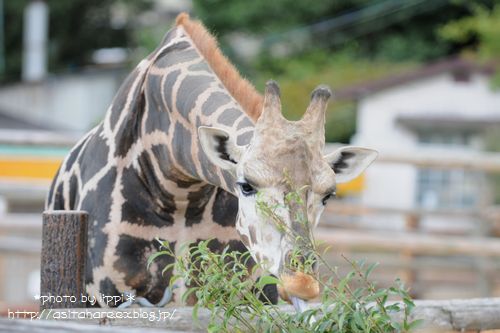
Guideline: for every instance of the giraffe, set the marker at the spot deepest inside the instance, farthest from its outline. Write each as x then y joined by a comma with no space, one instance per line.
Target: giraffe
180,154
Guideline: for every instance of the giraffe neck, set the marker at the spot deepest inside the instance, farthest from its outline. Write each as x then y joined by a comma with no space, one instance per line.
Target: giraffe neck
141,174
174,92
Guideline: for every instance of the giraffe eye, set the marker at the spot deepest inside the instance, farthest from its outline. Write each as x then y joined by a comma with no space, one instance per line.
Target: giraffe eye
247,189
328,197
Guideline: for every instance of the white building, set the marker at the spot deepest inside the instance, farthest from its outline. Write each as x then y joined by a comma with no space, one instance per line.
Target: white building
443,108
72,102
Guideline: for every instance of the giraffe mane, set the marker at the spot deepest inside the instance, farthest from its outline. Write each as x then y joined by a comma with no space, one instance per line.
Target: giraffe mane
241,90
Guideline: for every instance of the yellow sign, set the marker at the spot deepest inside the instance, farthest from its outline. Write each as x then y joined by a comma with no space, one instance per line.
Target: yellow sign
17,168
355,186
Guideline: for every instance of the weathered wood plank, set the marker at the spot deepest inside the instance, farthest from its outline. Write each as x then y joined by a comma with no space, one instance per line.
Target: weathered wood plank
471,314
168,318
50,326
64,252
451,315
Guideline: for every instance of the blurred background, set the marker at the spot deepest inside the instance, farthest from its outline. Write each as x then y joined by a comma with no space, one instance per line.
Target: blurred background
417,80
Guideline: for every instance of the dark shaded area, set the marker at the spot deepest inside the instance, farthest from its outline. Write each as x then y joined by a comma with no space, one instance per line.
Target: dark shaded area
94,156
225,208
198,200
269,294
133,255
98,204
146,203
341,163
222,148
108,288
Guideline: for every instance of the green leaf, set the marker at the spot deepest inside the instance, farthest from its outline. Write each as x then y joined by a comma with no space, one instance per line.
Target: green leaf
167,267
360,323
341,320
415,324
344,282
195,313
265,280
397,326
153,256
187,293
370,269
213,328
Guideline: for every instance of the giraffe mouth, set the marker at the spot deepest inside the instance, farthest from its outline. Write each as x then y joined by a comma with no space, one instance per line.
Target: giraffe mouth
300,285
298,289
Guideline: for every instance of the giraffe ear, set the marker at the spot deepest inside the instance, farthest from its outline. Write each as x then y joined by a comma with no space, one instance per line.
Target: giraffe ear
220,147
349,162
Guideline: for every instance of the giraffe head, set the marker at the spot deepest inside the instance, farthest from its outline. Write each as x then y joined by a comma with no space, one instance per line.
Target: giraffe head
284,156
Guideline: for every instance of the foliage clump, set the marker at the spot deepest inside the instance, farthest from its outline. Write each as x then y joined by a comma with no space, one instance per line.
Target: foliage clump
222,282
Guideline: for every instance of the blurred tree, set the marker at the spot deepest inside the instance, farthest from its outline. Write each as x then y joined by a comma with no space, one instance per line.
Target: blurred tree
350,42
482,28
387,29
13,38
264,16
76,28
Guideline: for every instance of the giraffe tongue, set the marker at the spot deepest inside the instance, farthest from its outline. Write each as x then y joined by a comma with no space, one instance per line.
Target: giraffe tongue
299,304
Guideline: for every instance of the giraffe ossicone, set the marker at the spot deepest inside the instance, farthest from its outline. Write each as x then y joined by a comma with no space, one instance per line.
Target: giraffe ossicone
181,154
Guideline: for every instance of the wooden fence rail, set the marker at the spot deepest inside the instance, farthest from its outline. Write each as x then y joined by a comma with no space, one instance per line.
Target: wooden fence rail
473,315
404,241
491,213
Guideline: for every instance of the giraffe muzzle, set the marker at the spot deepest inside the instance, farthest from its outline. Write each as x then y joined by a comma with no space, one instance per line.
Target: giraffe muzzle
298,285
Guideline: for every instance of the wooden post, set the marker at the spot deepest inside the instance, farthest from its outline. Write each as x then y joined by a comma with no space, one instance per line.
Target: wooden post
412,224
64,252
484,265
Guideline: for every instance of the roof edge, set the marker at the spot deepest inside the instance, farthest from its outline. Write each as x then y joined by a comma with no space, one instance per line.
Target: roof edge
455,65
